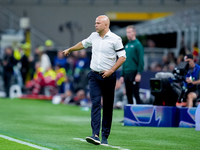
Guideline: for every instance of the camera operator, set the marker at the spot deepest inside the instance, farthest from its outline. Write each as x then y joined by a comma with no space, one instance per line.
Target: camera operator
192,81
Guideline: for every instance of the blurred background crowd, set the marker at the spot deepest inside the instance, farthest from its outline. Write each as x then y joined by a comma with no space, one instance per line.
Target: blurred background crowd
46,71
32,57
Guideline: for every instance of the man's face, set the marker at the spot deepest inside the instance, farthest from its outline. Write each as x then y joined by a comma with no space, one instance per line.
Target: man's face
190,62
130,33
8,51
99,25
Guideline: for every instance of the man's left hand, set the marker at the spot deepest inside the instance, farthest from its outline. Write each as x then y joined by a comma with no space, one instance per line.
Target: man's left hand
138,78
107,74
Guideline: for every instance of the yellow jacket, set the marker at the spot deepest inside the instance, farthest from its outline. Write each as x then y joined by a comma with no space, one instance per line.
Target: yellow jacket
60,76
50,73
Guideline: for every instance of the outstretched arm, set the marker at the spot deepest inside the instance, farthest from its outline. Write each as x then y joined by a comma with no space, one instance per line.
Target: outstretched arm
76,47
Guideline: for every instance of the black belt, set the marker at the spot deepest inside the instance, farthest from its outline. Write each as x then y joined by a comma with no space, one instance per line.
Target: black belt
100,73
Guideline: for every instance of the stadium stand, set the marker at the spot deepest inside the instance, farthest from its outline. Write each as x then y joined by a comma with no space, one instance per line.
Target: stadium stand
39,13
184,21
10,24
45,23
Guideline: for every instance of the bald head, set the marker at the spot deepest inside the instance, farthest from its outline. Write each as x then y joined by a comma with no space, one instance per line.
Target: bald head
105,19
102,24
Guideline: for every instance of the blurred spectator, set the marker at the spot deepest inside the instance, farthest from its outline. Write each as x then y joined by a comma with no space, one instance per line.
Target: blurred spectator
49,82
17,68
80,71
37,77
151,43
42,80
195,53
85,59
67,97
68,86
75,58
80,98
192,81
24,64
155,67
31,70
179,59
171,66
71,63
33,59
68,94
171,57
8,63
158,67
165,63
60,78
36,54
44,59
60,59
169,62
183,51
26,49
50,50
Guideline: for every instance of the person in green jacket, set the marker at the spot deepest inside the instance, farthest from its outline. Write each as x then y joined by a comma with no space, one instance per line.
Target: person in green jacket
133,66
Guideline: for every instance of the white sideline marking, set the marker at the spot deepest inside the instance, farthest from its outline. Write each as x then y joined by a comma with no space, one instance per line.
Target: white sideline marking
24,143
120,148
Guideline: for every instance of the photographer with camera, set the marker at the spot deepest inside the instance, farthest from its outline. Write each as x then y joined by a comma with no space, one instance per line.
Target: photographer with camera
192,81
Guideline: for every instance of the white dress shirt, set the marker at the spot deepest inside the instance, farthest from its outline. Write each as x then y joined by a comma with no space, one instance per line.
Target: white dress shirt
104,50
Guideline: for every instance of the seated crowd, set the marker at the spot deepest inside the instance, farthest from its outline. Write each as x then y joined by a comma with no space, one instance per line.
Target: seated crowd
47,71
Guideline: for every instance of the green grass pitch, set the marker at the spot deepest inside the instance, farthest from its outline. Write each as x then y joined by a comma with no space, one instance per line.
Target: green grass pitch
61,127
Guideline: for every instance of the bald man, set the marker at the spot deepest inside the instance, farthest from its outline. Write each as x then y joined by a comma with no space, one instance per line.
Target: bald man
106,47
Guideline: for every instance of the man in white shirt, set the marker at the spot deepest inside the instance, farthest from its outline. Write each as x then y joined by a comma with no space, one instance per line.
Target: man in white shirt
106,46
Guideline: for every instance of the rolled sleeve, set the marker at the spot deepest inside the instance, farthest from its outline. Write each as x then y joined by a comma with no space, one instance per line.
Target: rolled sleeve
118,44
121,53
120,48
87,42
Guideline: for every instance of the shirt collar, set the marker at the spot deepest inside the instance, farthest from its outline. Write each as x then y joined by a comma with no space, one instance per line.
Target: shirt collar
107,34
133,40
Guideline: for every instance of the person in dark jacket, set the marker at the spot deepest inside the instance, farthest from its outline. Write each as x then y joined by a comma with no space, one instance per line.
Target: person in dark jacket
8,63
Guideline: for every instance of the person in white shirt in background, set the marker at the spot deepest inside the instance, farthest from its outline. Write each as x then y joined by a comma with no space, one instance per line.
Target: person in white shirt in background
44,59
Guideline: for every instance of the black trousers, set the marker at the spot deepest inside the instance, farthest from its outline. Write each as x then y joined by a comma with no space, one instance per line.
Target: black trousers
101,88
132,87
7,82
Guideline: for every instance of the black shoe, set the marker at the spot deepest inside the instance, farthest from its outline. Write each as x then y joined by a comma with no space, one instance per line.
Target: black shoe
104,141
93,139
